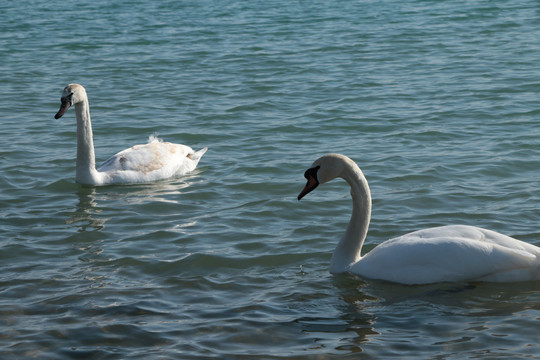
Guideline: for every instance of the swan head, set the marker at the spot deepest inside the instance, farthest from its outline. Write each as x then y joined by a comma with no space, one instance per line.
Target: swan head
72,94
324,169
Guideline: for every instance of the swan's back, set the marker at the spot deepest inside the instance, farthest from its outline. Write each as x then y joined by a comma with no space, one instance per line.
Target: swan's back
149,162
451,253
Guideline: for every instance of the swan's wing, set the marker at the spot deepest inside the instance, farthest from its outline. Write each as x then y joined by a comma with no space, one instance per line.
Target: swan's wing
445,254
152,161
146,158
473,233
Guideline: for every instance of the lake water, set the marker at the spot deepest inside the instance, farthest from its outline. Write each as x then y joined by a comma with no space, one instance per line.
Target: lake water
438,103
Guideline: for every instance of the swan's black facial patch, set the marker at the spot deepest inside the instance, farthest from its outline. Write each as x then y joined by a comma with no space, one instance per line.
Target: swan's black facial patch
66,103
312,181
312,172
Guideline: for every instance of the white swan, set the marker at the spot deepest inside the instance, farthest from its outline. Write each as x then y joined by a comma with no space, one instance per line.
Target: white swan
440,254
141,163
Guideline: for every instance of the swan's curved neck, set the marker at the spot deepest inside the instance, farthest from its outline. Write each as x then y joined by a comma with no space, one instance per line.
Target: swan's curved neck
348,250
86,159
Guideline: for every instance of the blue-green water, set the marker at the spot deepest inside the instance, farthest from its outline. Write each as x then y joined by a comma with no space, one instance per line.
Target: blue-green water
438,102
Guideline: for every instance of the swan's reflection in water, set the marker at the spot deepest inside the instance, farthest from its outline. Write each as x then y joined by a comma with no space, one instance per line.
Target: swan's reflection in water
388,317
86,214
165,191
100,252
349,323
96,201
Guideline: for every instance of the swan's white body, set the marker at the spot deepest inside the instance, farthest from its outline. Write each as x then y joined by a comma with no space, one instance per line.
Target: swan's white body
440,254
141,163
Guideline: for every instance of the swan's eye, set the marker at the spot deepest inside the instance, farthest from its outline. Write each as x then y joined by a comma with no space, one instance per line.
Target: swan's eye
70,97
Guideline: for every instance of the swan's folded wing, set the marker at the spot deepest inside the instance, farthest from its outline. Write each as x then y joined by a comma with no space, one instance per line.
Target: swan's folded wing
508,242
424,260
147,158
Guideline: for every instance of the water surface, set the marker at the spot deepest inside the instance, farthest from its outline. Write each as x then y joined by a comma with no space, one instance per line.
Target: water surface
436,101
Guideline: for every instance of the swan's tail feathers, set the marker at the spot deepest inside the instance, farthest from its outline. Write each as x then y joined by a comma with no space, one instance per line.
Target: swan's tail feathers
197,155
154,138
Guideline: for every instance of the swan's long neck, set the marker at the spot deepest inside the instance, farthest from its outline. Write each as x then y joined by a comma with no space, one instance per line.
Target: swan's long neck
348,250
86,159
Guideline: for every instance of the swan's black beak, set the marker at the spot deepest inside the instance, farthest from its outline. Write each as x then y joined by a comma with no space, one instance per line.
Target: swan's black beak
312,181
66,103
